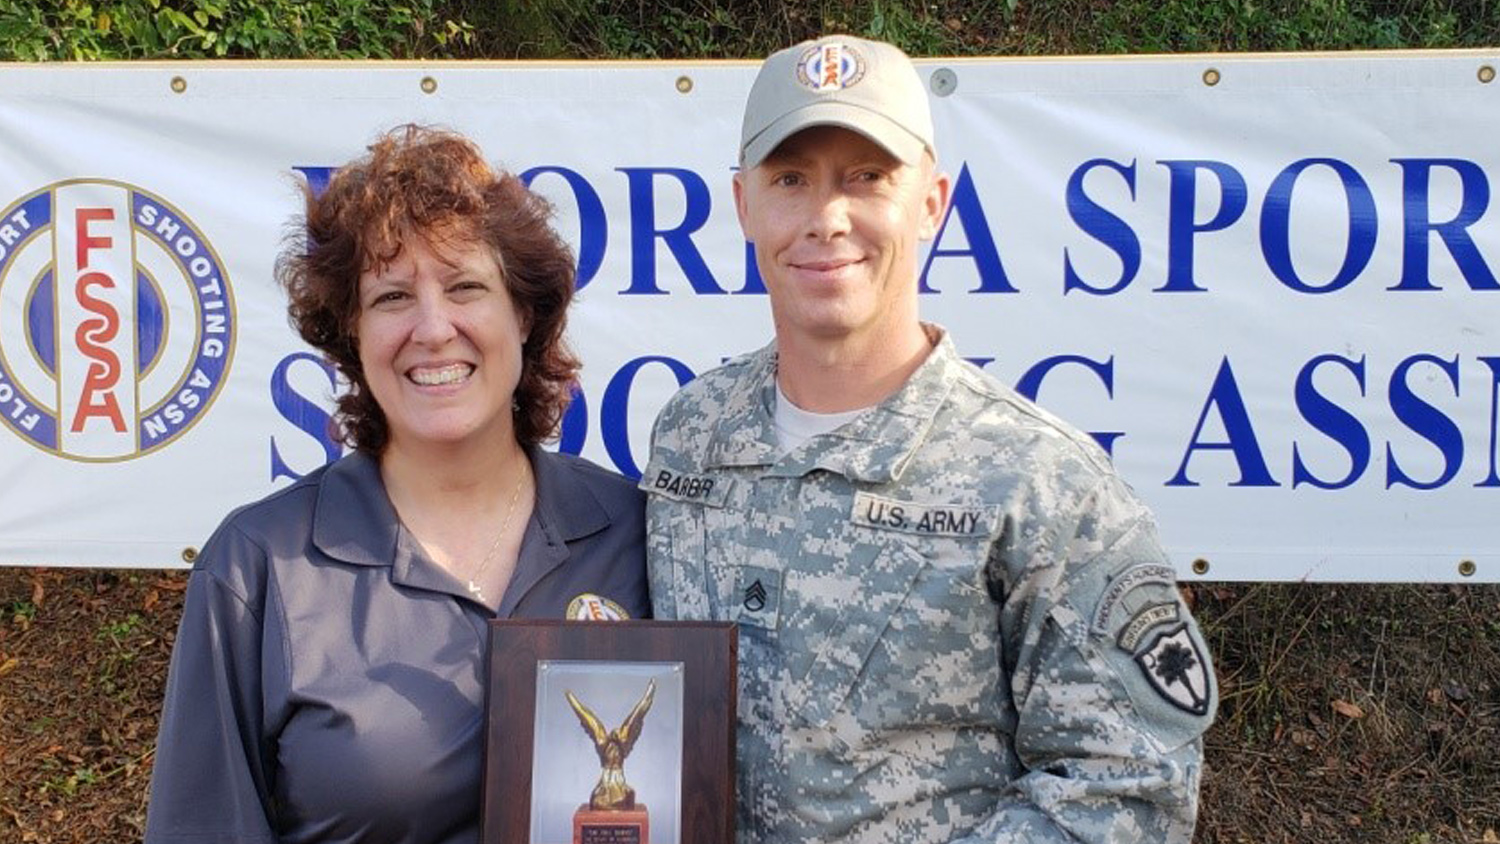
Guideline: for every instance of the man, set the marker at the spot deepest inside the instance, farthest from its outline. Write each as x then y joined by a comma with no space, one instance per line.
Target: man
956,621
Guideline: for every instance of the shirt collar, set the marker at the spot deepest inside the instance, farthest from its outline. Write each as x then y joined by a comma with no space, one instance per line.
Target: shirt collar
873,448
566,510
354,521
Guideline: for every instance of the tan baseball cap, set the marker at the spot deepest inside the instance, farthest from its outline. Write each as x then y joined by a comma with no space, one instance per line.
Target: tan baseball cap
869,87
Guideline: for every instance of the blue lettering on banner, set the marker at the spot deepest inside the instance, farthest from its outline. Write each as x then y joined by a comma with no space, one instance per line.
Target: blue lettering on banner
753,282
1340,425
317,177
1275,225
1184,226
574,431
1182,216
616,410
1241,440
18,226
1031,383
981,250
1415,199
1426,421
593,227
678,240
305,414
1104,226
205,375
1493,478
1194,187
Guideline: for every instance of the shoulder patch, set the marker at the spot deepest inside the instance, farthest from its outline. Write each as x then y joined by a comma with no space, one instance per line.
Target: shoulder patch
1122,584
1152,615
1177,671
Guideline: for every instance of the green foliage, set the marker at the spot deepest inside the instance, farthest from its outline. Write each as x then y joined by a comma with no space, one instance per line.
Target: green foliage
751,28
282,29
1142,26
116,631
69,784
184,29
21,612
123,650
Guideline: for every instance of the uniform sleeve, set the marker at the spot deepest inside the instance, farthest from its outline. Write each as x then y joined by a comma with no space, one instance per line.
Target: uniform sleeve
209,782
1111,681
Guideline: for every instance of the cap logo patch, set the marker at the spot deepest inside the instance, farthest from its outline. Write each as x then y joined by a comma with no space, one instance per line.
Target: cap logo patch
591,607
830,67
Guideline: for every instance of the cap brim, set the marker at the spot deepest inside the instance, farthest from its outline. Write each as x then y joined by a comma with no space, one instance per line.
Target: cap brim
877,127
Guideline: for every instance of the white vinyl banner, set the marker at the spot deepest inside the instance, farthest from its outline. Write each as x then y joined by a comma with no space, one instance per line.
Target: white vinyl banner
1266,284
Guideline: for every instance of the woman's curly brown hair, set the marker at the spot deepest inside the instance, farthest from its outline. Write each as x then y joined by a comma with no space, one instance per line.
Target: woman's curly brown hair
418,181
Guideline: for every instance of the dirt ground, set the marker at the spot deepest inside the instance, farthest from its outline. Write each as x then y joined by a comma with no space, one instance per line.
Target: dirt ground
1350,713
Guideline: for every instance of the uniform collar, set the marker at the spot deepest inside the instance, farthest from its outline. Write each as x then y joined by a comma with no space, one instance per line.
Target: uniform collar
745,434
355,523
873,448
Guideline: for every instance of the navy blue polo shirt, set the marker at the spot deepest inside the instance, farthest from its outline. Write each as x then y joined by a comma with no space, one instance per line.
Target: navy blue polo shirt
327,680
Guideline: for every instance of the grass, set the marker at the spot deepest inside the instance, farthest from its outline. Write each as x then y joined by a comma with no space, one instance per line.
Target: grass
1353,712
102,29
1349,713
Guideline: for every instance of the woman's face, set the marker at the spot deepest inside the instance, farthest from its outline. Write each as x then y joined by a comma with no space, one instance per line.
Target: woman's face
440,344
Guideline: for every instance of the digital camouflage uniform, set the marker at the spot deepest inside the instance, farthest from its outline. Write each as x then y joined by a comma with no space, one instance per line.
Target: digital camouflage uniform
956,621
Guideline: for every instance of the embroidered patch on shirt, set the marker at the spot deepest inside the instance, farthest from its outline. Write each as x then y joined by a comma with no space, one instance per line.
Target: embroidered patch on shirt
1152,615
685,486
591,607
830,67
757,597
1176,670
875,511
1123,583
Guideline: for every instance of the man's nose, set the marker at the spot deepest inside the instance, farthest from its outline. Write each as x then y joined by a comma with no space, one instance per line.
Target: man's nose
829,217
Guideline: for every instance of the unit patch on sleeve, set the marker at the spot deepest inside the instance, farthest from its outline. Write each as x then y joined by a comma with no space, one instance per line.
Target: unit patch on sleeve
1176,670
1122,584
1149,617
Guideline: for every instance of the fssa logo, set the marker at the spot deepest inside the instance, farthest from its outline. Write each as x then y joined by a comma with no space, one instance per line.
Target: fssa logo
117,324
830,67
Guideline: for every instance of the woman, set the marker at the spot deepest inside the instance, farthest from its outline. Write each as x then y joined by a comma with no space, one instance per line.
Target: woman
328,675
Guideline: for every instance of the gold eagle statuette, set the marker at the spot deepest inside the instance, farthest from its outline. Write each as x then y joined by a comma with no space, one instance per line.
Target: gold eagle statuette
612,793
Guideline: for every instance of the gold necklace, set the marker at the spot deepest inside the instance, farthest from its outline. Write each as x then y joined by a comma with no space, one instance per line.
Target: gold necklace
510,510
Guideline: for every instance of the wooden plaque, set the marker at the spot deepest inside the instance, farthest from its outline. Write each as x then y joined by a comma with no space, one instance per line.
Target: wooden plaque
560,692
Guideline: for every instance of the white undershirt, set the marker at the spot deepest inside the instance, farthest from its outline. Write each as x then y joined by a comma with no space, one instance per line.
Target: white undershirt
795,426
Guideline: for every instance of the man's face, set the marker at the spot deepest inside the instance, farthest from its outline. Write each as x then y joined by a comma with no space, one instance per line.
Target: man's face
836,221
